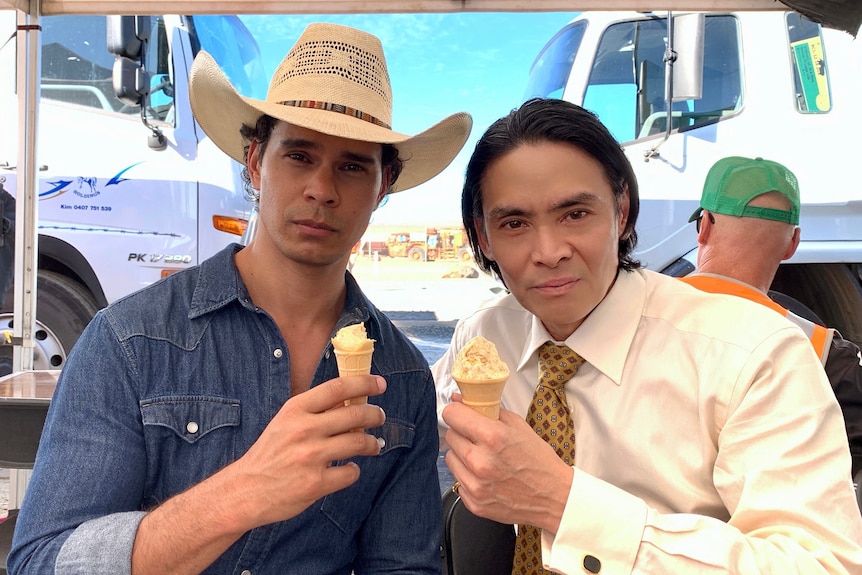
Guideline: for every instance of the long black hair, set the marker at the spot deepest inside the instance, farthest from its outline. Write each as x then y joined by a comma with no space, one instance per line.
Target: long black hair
550,120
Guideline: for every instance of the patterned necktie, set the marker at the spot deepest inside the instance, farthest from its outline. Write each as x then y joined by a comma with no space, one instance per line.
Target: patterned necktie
550,417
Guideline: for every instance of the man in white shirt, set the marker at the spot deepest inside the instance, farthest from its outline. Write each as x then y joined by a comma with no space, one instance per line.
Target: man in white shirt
707,437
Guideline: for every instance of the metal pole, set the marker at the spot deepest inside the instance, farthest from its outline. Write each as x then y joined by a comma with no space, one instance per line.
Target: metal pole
28,75
26,206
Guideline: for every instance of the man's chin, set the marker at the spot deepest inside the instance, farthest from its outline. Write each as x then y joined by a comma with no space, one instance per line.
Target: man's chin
559,310
320,258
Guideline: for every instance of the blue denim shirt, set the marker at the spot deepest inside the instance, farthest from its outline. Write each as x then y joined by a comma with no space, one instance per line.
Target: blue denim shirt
193,348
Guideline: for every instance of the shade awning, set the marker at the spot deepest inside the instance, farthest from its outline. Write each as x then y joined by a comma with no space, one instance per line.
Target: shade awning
50,7
844,15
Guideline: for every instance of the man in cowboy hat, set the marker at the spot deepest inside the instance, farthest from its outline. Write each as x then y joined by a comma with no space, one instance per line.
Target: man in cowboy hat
200,424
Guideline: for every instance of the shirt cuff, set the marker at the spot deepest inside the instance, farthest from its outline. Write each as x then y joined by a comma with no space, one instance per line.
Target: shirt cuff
600,531
101,546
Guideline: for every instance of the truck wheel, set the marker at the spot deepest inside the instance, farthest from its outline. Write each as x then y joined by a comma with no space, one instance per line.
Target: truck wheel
464,255
63,310
830,290
416,254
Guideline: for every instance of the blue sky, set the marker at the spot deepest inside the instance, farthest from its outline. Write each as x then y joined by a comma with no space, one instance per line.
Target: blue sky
439,64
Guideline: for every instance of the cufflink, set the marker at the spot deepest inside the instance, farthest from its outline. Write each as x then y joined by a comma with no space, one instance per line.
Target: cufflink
592,564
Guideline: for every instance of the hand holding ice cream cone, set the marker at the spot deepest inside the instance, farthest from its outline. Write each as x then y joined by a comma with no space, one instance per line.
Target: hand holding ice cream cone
353,351
481,376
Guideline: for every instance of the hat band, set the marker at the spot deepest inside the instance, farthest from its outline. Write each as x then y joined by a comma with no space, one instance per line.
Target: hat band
340,108
769,214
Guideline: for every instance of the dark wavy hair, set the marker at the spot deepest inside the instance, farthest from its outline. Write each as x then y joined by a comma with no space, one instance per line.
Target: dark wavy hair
550,120
261,133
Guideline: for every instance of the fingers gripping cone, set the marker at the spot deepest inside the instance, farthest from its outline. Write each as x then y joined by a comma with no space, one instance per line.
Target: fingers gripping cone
481,376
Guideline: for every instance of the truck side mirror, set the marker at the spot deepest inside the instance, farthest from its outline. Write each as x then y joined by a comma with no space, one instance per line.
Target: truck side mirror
683,68
127,38
127,35
688,68
130,81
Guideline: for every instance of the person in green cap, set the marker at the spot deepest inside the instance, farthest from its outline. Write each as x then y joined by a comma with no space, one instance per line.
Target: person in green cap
747,224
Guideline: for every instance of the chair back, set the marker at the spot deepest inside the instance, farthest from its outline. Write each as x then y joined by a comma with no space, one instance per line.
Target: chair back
20,429
472,545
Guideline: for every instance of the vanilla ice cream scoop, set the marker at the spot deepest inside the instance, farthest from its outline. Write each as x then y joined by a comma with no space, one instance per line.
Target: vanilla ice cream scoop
481,376
479,360
353,338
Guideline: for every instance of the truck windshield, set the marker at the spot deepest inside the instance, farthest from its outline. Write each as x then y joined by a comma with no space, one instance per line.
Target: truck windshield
627,81
76,64
550,72
233,47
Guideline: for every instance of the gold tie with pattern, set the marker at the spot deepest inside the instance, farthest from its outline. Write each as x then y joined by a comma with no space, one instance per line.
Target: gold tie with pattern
550,417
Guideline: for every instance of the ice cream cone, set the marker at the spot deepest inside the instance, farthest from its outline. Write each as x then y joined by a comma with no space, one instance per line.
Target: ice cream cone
482,395
353,350
354,363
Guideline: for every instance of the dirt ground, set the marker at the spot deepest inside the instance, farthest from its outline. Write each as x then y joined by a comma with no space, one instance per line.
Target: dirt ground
387,268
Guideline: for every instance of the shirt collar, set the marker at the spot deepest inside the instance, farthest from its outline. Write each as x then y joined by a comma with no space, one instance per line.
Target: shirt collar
742,285
219,283
605,337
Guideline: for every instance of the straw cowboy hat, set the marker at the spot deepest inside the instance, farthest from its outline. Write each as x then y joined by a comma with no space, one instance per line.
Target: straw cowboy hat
334,80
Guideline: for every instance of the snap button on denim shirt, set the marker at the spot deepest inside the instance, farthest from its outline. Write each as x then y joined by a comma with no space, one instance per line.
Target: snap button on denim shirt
172,383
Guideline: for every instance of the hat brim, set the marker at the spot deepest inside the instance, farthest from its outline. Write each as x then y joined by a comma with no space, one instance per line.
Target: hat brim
221,111
695,215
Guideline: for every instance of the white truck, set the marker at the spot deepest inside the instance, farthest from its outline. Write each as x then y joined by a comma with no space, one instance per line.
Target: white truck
770,84
128,193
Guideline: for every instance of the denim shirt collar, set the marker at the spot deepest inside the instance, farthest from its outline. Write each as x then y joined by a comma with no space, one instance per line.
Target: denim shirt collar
219,283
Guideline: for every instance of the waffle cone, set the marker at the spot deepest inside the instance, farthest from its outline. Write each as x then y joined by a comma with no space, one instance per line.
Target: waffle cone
354,363
482,395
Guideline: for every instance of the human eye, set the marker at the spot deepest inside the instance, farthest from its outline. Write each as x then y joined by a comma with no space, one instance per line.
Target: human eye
512,225
354,167
576,214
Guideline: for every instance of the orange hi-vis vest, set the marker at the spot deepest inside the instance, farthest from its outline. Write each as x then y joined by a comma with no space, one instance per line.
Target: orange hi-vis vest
821,337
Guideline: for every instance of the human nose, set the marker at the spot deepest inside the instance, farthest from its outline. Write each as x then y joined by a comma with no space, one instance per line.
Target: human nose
550,248
321,187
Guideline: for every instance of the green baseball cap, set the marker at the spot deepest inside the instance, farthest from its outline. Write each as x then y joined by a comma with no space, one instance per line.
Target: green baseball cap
733,182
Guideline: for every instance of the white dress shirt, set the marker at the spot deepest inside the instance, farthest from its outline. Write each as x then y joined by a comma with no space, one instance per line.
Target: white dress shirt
708,439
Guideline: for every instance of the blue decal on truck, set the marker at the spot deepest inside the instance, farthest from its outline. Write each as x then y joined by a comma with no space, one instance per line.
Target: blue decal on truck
85,186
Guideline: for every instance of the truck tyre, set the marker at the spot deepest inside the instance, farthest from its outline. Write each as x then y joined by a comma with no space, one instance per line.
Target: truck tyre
63,310
416,254
464,255
832,291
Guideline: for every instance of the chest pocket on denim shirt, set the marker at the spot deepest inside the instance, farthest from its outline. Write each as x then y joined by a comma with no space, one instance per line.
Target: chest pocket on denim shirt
349,507
188,438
